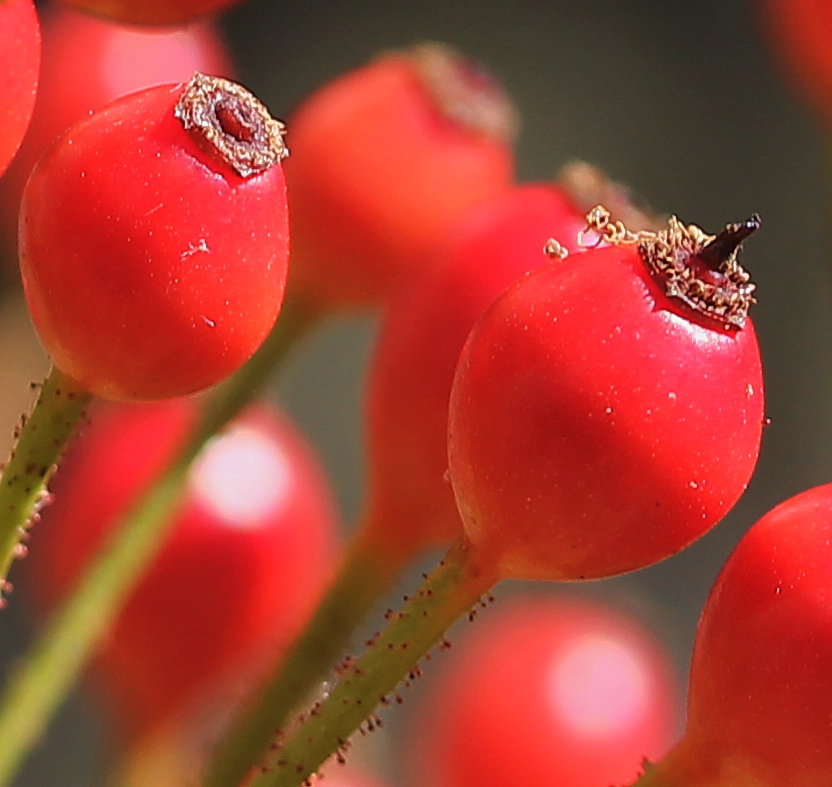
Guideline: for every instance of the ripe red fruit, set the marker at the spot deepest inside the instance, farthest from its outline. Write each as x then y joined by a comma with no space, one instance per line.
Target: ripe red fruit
760,695
557,691
154,240
385,159
150,12
251,547
607,409
410,501
801,33
87,63
19,64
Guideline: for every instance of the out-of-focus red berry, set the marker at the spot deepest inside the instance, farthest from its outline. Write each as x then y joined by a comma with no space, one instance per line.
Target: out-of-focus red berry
87,63
251,547
154,240
410,502
760,694
801,33
385,160
20,52
561,692
150,12
607,409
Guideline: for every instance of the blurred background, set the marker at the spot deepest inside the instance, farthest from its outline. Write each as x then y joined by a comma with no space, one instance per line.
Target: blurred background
684,102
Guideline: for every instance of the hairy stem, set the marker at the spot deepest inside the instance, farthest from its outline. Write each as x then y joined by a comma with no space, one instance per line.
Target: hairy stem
39,446
364,575
446,594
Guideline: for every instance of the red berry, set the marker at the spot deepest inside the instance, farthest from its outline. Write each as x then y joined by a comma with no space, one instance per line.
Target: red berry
410,502
385,159
154,240
19,65
607,409
150,12
760,696
552,691
801,33
87,63
250,550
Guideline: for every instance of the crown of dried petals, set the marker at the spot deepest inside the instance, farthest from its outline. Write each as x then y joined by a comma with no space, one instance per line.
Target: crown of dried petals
703,270
231,124
699,269
464,91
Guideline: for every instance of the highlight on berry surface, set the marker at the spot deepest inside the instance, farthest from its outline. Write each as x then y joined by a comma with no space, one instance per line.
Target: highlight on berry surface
154,240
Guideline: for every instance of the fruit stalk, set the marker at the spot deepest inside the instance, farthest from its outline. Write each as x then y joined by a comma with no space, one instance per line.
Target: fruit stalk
40,443
450,591
364,575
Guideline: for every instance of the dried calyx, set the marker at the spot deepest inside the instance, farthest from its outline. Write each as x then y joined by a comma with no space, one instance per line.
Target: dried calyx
703,270
464,91
699,269
231,124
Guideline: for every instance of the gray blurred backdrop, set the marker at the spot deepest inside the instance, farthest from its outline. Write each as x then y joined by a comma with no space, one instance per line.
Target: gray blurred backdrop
682,101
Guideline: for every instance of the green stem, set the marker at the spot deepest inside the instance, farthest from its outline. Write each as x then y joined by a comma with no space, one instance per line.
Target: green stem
39,446
46,673
446,594
364,575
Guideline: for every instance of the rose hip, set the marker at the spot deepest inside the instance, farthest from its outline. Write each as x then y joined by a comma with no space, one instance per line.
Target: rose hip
248,553
20,51
87,63
385,159
150,12
760,693
154,240
607,409
560,691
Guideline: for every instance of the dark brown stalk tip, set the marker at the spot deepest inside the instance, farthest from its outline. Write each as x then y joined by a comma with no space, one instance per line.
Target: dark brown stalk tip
725,244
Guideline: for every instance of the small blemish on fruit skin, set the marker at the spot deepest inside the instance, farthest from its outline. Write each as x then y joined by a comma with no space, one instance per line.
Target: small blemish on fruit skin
195,248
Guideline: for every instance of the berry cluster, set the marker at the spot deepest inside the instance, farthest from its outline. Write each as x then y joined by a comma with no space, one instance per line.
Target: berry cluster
564,386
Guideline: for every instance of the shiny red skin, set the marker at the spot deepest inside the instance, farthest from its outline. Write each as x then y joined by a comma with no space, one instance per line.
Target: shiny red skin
150,12
20,52
229,587
410,501
377,177
561,692
800,31
87,63
595,424
760,695
150,268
